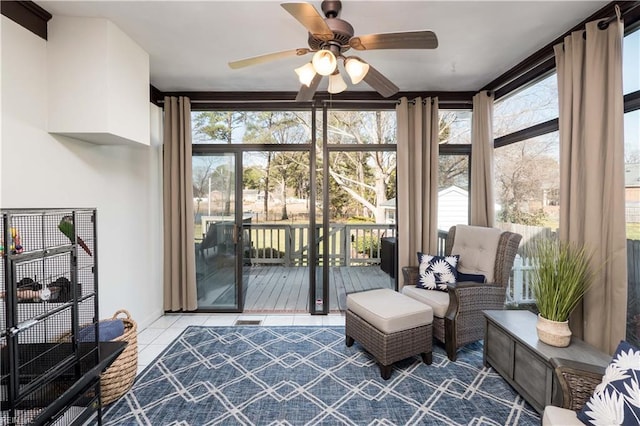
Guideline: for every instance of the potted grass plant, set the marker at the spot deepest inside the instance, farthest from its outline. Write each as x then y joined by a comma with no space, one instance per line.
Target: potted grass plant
560,280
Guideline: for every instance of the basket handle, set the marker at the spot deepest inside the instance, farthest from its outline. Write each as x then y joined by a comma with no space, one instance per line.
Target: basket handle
121,311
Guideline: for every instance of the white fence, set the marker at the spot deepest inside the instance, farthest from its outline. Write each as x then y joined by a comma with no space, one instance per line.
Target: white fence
519,290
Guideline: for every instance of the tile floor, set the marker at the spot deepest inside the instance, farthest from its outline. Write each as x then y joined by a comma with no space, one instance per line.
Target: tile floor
155,338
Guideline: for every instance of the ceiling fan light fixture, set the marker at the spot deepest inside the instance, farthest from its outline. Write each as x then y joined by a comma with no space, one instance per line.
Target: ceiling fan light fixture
336,84
356,68
306,73
324,62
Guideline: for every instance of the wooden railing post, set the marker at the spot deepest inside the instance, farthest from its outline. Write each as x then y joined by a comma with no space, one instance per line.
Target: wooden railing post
347,245
287,245
517,282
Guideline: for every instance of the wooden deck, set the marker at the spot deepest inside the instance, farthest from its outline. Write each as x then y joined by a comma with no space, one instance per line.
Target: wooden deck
276,288
282,289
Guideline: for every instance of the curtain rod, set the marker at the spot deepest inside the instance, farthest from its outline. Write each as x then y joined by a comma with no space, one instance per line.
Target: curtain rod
240,102
323,101
618,15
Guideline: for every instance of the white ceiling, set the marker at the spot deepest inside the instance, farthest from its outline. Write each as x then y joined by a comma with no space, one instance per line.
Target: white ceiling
190,42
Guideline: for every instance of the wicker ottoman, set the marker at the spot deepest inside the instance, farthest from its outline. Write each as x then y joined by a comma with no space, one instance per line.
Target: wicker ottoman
390,326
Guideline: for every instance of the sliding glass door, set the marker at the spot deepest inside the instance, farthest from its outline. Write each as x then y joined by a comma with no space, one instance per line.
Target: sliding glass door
218,232
291,208
276,206
355,205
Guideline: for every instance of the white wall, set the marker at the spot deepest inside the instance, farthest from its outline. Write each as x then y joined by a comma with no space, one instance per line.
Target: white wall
98,82
123,182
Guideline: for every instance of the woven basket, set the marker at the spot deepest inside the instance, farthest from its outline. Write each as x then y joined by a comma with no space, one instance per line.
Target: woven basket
118,378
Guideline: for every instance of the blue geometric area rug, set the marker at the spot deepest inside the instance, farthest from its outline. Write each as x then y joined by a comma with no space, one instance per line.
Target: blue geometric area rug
248,375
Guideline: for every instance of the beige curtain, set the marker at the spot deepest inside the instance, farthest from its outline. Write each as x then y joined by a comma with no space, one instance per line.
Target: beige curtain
592,174
417,178
179,253
482,200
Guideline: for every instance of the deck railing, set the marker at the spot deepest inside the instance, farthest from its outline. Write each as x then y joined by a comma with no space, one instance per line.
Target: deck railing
349,244
288,244
359,245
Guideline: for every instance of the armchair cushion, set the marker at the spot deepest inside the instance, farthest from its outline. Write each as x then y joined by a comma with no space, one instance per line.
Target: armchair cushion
437,271
617,399
477,247
438,300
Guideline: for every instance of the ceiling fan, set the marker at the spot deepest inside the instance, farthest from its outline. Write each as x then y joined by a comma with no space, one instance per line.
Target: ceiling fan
329,39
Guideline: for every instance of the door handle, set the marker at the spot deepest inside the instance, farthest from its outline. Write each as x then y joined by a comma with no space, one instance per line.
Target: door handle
236,234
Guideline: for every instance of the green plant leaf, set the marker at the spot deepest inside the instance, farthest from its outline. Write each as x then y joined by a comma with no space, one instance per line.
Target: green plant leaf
562,275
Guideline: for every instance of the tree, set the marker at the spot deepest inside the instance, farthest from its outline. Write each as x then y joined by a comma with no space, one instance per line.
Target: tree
370,181
251,177
363,175
524,170
526,173
201,172
453,170
274,127
220,126
454,129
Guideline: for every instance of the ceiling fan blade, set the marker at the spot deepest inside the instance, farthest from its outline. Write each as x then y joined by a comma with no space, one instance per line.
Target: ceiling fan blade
306,93
268,57
380,83
308,16
403,40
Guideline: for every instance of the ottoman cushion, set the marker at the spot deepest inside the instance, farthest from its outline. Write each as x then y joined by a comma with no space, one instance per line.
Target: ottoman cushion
389,311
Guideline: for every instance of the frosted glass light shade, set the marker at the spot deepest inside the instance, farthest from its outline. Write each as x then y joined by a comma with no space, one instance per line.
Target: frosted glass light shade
324,62
356,69
336,84
306,73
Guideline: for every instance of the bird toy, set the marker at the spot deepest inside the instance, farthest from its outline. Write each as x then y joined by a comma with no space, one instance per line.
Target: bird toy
16,243
66,227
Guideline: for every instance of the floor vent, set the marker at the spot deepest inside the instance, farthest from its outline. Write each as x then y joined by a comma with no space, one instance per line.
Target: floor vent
248,322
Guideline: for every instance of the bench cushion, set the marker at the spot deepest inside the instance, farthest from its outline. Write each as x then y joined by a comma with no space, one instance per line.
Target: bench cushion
388,310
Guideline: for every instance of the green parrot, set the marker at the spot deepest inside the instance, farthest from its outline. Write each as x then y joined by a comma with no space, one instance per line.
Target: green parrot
66,227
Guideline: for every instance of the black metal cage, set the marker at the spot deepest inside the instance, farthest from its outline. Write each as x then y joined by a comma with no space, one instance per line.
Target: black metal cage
48,316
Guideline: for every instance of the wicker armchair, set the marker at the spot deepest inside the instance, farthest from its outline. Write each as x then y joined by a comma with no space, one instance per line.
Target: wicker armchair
461,321
577,382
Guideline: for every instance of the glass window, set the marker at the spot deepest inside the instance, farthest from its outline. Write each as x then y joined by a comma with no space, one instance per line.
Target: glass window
527,178
533,105
631,63
632,210
251,127
632,137
453,172
455,127
361,127
453,191
527,182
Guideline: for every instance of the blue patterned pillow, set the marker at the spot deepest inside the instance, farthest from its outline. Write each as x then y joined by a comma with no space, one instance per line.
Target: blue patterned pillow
435,272
616,401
